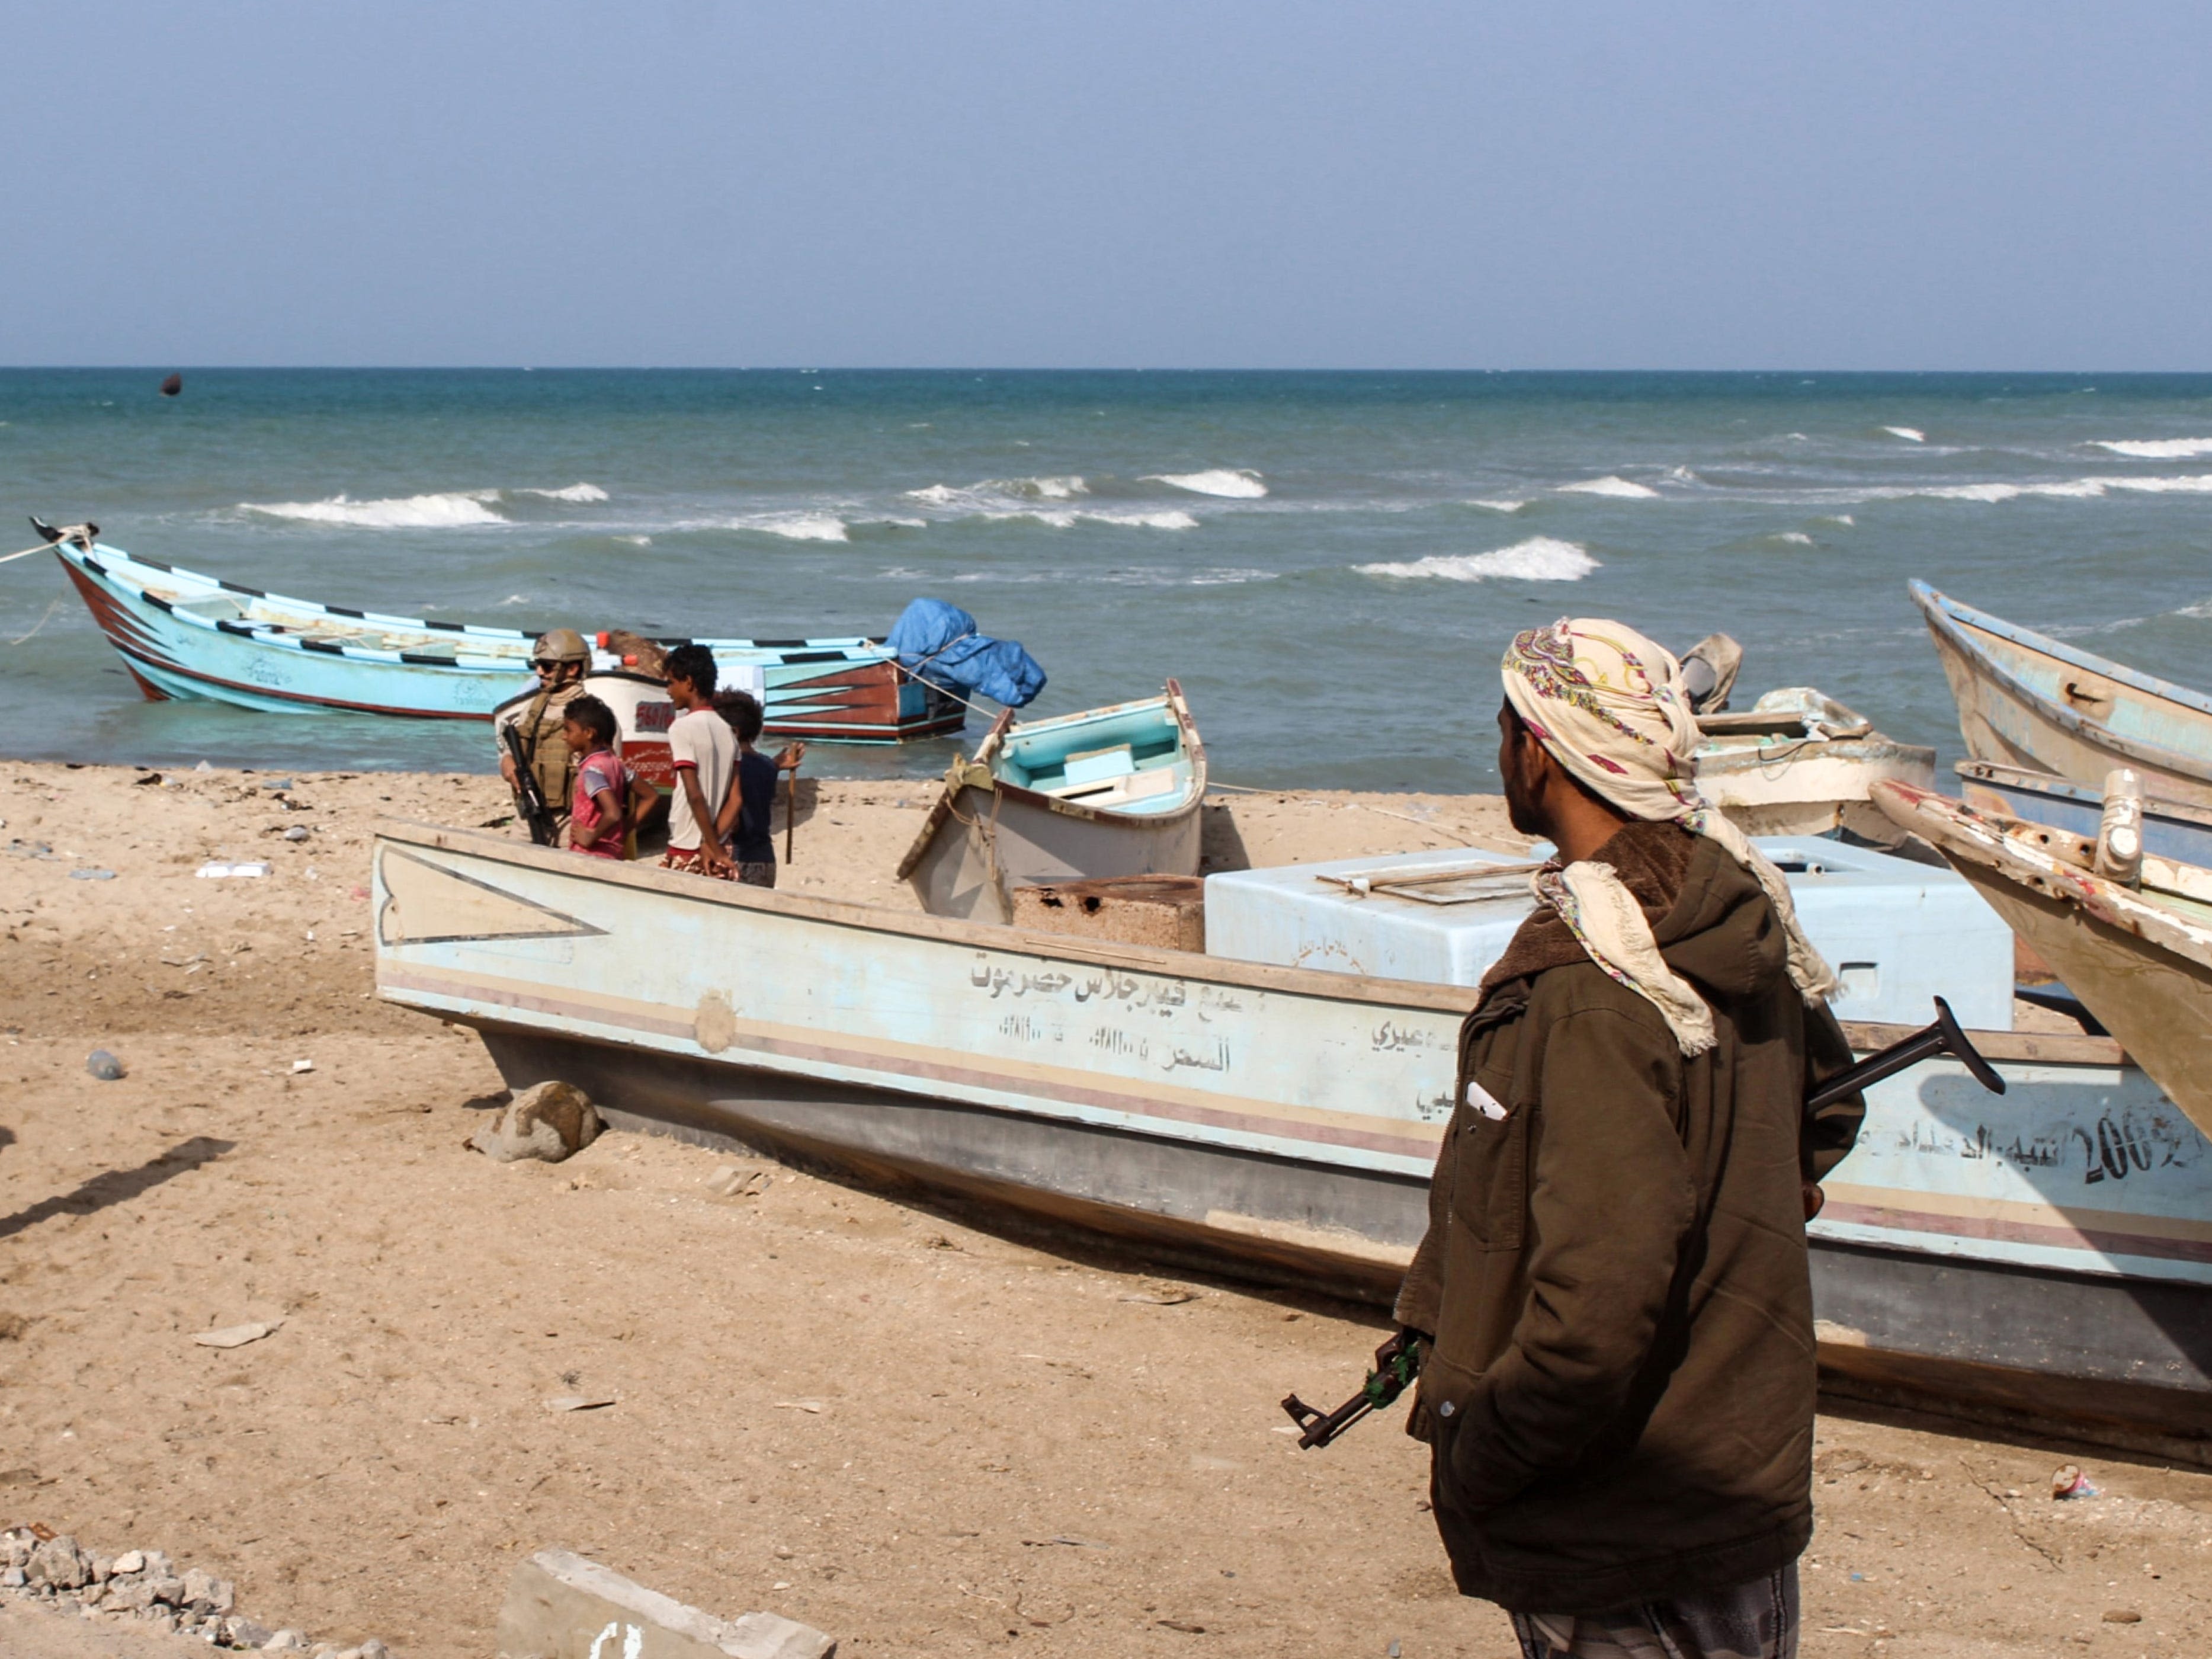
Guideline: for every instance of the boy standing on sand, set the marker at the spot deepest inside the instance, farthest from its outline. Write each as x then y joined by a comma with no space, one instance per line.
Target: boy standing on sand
705,753
610,797
745,818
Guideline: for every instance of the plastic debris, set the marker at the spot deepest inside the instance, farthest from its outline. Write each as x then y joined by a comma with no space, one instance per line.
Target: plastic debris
217,870
2070,1482
236,1336
86,872
103,1066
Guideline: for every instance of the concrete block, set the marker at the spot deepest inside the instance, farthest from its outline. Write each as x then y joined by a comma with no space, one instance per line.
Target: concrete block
560,1605
1166,911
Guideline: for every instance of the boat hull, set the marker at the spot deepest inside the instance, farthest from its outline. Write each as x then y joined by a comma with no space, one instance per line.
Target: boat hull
183,636
2026,701
1280,1124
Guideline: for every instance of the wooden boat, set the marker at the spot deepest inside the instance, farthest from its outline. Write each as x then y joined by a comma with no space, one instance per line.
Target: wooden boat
1798,762
2046,1252
2028,701
2140,959
183,634
2171,830
1110,792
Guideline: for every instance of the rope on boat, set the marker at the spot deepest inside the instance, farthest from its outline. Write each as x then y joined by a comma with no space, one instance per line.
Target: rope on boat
42,621
25,554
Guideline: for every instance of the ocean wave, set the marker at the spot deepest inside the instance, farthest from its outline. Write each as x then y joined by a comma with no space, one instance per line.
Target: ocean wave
2157,449
1843,519
1611,485
1242,484
1912,434
574,492
1539,559
448,512
1791,538
1172,519
792,527
991,491
2080,489
1501,504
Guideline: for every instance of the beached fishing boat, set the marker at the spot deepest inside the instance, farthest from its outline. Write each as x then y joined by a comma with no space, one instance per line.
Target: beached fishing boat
183,635
2170,829
1110,792
1798,762
2029,701
2139,957
2048,1252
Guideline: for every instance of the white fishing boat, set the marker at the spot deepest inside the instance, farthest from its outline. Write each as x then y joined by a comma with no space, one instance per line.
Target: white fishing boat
2026,700
1798,762
1108,792
2049,1251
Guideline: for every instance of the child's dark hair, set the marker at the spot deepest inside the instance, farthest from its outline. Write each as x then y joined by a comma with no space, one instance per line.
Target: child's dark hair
594,717
695,663
743,711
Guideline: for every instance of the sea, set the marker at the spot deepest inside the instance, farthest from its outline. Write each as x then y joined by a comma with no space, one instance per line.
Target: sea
1329,564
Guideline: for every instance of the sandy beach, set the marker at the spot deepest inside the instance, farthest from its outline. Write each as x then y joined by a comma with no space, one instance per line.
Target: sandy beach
921,1436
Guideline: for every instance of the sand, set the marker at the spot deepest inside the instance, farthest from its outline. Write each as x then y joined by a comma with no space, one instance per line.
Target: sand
922,1437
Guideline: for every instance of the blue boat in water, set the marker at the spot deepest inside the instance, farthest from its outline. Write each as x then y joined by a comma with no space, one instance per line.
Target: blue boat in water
183,634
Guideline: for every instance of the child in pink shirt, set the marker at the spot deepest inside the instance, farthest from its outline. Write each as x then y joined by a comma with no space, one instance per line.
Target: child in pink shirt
607,799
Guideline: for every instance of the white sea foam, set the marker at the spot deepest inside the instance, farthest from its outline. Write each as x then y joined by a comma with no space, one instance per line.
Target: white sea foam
795,527
574,492
2157,449
1539,559
636,541
1242,484
1912,434
448,512
2080,489
1843,519
1172,519
1611,485
1793,538
994,490
1502,504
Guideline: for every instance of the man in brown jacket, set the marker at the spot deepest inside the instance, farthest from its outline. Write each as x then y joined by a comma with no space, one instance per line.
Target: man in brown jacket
1614,1289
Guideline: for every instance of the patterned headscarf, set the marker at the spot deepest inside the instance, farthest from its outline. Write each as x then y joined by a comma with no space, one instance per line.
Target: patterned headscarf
1609,705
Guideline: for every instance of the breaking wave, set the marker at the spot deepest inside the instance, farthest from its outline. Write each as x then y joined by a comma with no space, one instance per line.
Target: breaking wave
574,492
1539,559
791,527
2063,490
1912,434
1791,538
992,491
399,513
2157,449
1613,485
1242,484
1503,504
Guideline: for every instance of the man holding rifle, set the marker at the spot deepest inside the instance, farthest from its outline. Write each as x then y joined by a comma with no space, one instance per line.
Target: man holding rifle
1612,1298
536,747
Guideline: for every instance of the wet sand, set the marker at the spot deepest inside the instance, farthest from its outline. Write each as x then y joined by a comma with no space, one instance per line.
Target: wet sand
920,1437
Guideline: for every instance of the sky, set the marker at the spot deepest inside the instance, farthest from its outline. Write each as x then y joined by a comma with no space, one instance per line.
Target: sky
1200,184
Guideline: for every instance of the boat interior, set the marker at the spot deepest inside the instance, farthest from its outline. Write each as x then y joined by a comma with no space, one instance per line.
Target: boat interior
1129,759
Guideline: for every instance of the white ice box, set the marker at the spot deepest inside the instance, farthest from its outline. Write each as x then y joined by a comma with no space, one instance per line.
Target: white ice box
1897,933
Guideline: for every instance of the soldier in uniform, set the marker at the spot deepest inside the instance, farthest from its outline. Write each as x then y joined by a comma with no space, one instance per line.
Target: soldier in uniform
560,658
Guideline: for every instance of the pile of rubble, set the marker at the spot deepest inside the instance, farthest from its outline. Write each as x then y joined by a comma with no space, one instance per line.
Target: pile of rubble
144,1586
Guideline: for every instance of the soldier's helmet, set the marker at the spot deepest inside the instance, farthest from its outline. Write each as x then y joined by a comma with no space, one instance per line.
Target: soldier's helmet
562,644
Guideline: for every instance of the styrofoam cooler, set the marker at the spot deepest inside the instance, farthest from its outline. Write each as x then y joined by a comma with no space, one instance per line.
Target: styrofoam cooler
1897,933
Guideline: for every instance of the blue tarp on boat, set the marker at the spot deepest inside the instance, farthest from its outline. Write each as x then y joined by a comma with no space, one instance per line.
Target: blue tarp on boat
938,642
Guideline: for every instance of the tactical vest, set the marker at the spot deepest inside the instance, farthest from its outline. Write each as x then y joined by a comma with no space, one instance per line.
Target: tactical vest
552,763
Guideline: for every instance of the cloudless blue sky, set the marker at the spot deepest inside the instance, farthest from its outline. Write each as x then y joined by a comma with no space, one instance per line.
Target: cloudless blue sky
1203,183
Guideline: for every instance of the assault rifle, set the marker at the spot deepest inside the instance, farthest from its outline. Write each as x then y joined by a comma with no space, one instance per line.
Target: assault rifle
543,828
1397,1363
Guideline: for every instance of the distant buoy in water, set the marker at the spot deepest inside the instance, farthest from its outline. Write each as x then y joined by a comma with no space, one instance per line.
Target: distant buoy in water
173,385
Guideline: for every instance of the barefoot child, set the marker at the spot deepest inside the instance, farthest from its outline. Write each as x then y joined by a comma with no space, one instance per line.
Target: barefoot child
610,797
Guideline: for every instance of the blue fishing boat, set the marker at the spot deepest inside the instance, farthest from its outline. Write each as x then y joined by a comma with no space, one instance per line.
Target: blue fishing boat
2028,701
2047,1252
182,634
